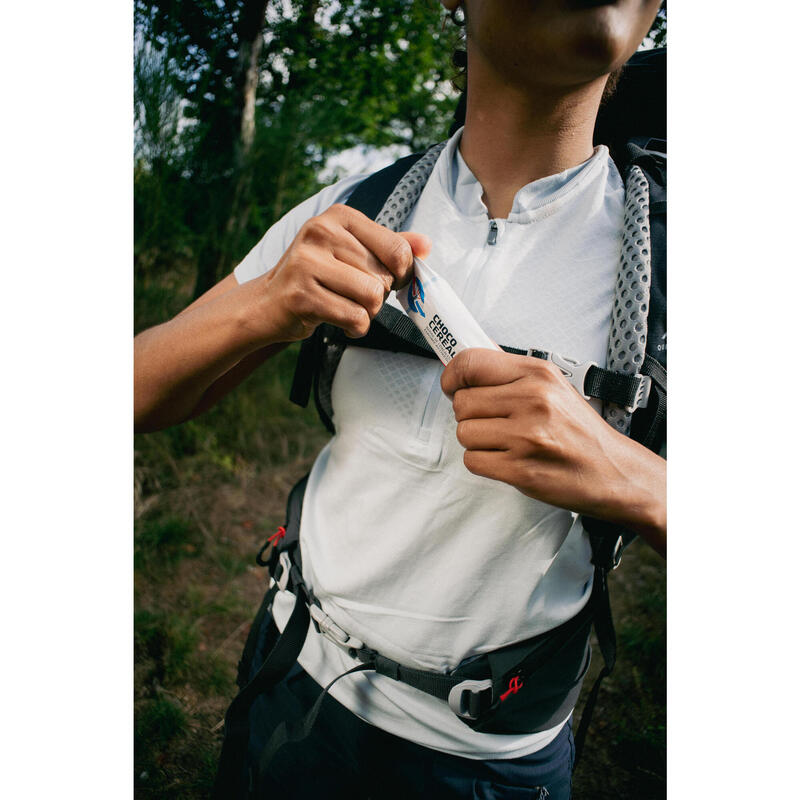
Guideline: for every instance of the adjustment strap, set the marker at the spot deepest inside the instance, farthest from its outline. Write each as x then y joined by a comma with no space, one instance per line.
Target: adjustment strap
467,698
629,391
658,375
297,730
230,780
252,638
607,642
392,330
586,716
304,371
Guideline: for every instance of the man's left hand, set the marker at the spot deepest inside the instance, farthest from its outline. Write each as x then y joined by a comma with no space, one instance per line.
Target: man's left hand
521,422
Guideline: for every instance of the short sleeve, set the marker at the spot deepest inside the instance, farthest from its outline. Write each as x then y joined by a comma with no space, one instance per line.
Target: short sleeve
263,257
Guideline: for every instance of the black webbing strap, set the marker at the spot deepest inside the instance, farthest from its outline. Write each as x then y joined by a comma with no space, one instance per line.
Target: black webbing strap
607,642
432,683
231,777
658,376
613,387
307,360
393,330
252,639
298,729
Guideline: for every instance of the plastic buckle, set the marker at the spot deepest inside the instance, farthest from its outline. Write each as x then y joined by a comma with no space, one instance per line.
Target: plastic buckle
285,563
573,371
642,393
330,630
462,695
617,557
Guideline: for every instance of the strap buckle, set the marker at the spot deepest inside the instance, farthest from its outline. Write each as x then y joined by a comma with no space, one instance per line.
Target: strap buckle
642,393
285,564
618,550
331,631
573,371
469,699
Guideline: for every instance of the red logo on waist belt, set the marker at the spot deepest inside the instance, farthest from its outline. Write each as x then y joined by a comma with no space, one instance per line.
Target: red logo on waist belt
514,685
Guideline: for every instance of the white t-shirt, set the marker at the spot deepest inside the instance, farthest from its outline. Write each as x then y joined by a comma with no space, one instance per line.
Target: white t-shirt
405,548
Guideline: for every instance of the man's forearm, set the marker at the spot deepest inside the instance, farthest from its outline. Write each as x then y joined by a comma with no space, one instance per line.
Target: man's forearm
645,510
176,363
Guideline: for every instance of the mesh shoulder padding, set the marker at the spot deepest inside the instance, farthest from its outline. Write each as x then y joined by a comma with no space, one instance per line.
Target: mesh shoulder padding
398,205
628,336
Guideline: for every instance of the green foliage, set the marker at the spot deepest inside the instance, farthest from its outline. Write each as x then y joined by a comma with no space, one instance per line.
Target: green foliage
333,75
163,541
169,640
657,36
157,722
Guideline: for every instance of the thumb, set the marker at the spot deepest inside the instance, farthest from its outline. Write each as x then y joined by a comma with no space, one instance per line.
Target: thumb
420,243
420,247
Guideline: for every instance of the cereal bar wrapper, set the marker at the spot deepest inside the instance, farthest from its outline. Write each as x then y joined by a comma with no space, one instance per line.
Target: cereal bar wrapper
438,312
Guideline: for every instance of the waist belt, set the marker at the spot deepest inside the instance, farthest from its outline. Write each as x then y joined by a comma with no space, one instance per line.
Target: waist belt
475,691
523,688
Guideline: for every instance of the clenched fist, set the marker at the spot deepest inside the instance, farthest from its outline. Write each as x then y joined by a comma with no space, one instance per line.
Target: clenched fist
339,269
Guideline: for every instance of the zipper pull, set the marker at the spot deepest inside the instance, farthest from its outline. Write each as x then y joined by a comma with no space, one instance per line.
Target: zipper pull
492,232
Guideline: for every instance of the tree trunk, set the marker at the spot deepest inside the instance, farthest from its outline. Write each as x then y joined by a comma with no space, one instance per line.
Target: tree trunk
250,37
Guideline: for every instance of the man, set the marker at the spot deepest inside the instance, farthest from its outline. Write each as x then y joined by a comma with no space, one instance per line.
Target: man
442,520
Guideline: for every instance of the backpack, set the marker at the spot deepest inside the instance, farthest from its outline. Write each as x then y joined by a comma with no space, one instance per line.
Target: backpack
545,673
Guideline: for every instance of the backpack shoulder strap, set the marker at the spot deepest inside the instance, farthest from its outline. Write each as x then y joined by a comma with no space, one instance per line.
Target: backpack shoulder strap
320,353
649,425
370,195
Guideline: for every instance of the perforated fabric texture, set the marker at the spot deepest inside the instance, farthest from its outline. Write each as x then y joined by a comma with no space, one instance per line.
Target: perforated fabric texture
400,372
628,336
398,205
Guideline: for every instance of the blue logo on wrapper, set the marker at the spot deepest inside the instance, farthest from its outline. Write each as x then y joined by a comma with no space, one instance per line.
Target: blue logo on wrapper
416,296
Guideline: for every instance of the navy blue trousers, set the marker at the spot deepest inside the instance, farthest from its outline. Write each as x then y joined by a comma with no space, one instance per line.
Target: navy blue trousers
345,757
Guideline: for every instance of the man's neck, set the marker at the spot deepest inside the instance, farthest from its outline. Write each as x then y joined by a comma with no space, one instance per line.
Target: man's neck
514,135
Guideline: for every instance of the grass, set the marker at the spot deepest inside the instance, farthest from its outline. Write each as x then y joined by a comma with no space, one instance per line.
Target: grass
208,493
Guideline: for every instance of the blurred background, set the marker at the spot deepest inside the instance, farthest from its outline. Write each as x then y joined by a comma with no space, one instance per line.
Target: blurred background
242,110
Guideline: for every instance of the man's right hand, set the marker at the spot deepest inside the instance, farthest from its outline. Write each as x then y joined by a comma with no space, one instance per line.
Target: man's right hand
339,269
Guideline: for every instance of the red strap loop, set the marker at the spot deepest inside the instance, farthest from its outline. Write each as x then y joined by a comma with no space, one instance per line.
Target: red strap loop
279,534
514,685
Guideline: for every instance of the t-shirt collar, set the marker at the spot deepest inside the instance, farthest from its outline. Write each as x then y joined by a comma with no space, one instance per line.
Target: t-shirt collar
466,191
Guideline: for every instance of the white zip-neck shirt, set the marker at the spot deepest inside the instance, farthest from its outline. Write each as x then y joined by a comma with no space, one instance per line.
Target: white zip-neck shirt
405,548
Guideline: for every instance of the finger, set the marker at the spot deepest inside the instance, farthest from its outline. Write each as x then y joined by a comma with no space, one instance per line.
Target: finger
362,287
487,463
420,243
484,434
482,402
421,246
393,250
482,367
331,307
350,250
